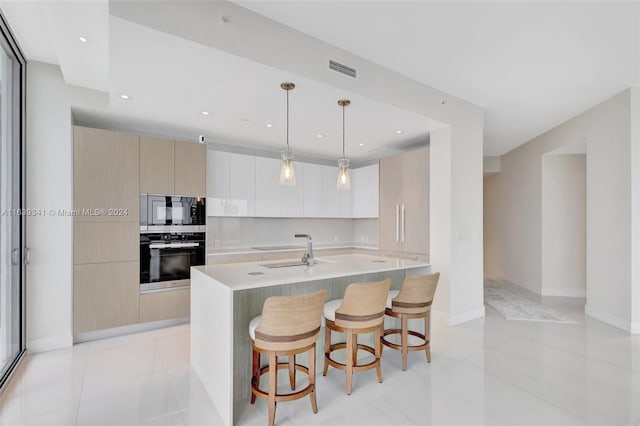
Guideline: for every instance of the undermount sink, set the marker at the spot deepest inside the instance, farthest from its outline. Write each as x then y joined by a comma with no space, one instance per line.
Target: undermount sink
291,263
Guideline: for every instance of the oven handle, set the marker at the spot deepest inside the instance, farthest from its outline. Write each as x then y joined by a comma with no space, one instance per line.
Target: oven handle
173,245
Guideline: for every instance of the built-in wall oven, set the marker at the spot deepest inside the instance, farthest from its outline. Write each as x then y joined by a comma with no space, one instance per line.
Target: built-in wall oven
172,240
166,259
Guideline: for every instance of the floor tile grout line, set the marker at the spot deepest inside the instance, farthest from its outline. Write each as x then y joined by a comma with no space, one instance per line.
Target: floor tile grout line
84,372
169,384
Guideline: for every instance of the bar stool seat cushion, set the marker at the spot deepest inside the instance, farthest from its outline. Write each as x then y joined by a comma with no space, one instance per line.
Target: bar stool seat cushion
253,325
330,308
392,295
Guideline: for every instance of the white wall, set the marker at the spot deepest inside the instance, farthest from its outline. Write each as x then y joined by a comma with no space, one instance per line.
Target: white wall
564,225
609,257
635,207
516,222
456,222
50,186
50,238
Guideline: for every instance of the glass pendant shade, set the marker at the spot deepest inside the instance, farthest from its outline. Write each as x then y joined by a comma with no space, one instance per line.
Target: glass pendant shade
287,172
344,179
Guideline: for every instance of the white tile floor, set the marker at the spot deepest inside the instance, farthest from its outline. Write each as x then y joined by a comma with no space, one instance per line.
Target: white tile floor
485,372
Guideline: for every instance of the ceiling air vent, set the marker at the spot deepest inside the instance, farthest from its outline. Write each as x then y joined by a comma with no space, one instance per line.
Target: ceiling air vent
336,66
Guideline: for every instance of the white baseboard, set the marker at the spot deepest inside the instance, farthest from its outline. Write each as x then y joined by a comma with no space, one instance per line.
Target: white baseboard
127,329
448,319
628,326
564,292
49,344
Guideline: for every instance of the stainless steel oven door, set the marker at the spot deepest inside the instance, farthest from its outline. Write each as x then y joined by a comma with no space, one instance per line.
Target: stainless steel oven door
166,263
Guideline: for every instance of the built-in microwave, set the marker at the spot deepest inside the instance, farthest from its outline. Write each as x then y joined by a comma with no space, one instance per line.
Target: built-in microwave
172,213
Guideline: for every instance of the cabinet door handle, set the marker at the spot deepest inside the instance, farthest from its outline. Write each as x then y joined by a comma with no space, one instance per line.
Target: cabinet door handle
397,223
27,256
402,217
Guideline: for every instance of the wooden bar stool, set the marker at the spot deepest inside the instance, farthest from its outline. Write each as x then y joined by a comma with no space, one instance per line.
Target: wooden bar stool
289,325
412,301
361,311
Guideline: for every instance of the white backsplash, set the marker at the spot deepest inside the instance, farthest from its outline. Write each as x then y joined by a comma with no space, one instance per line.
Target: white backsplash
231,232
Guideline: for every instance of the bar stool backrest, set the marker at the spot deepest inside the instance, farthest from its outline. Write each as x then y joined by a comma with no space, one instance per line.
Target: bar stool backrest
416,294
290,322
363,305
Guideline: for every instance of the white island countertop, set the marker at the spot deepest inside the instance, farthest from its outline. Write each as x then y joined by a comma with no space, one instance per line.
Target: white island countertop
242,276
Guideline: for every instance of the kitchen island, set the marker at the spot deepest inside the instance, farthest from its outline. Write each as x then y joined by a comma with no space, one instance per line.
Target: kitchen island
224,298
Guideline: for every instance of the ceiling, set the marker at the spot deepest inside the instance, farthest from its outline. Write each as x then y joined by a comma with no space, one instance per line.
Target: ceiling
530,65
170,81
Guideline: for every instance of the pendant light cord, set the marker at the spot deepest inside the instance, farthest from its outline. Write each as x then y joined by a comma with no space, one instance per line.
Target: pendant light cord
343,156
287,120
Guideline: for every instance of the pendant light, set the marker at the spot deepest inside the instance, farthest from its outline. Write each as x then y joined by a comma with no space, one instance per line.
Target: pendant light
344,180
287,172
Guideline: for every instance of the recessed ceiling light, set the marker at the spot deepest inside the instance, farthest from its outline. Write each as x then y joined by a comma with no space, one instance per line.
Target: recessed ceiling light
399,132
320,136
205,113
245,121
361,144
123,96
269,125
83,39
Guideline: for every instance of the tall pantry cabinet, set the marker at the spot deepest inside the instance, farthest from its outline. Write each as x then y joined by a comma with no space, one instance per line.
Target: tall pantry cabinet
404,202
105,231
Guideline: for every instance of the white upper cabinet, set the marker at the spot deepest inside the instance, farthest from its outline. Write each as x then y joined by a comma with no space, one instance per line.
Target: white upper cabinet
242,185
312,197
245,185
292,197
346,199
230,184
364,182
330,193
267,187
217,182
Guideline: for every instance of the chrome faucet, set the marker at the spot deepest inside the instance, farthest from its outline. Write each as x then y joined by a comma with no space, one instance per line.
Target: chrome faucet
308,256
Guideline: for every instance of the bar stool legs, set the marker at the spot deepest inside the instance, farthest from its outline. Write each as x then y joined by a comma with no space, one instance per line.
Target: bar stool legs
271,368
351,347
273,384
404,347
412,301
427,334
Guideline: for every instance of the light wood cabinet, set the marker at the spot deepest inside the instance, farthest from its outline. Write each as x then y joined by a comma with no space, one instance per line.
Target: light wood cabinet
105,295
404,202
415,200
390,201
105,242
106,175
190,169
164,305
156,165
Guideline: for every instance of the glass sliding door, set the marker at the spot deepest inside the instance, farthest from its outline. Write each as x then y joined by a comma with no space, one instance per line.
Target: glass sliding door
13,255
